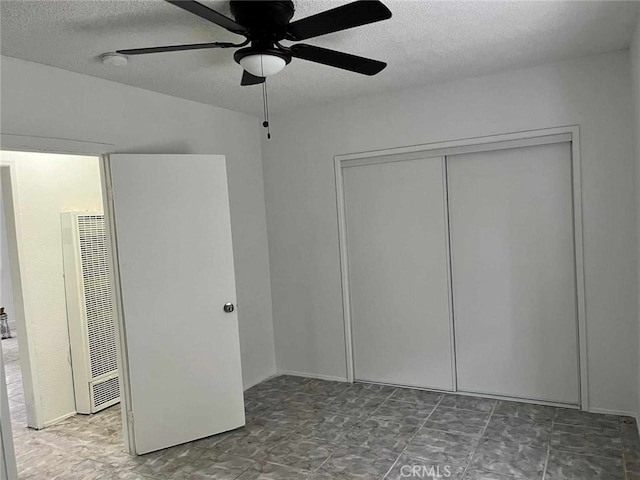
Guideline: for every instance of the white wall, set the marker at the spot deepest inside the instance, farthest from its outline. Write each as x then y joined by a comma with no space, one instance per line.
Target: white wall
593,92
45,186
38,100
635,86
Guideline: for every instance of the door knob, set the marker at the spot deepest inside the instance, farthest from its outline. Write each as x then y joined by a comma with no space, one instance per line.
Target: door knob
228,307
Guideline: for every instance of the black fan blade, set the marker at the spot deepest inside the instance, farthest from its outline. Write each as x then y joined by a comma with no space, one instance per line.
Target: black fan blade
248,79
347,16
346,61
175,48
208,14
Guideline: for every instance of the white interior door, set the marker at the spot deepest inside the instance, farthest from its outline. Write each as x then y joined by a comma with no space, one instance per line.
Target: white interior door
513,268
396,237
175,254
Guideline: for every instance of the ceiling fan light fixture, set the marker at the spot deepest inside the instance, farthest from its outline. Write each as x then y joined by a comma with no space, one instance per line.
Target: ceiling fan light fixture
263,64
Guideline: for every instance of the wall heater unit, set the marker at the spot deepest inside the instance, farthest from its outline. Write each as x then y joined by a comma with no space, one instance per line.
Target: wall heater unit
90,311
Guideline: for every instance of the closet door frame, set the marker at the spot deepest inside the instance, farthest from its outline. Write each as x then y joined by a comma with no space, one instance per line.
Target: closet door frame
569,133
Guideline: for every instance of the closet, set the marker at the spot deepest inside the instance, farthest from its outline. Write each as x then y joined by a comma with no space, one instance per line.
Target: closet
461,269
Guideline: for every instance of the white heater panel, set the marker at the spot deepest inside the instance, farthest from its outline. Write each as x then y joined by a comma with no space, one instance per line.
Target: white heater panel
90,311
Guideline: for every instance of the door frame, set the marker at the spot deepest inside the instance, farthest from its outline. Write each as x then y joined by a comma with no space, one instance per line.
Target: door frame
11,202
114,263
569,133
25,143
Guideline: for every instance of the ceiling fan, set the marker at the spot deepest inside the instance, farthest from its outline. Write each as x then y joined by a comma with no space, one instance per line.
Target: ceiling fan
265,23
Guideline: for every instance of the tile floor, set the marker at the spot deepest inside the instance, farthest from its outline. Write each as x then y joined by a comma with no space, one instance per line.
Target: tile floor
300,428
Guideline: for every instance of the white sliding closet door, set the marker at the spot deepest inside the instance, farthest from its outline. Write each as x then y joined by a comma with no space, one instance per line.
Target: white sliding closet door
513,268
396,236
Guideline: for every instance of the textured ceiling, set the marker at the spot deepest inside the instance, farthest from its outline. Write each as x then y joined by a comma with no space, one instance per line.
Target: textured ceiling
424,42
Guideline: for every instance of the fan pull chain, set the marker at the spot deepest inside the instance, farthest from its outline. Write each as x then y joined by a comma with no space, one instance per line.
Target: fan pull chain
265,106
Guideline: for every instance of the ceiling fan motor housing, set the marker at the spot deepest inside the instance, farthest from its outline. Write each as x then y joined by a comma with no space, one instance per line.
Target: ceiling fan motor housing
255,15
266,23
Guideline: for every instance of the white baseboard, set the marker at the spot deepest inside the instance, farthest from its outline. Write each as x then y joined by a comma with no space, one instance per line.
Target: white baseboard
59,419
607,411
313,375
260,380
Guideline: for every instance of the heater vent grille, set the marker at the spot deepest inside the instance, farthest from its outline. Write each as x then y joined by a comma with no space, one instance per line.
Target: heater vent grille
105,393
97,295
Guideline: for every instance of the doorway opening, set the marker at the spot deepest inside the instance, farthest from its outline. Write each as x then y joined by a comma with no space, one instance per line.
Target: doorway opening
60,350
